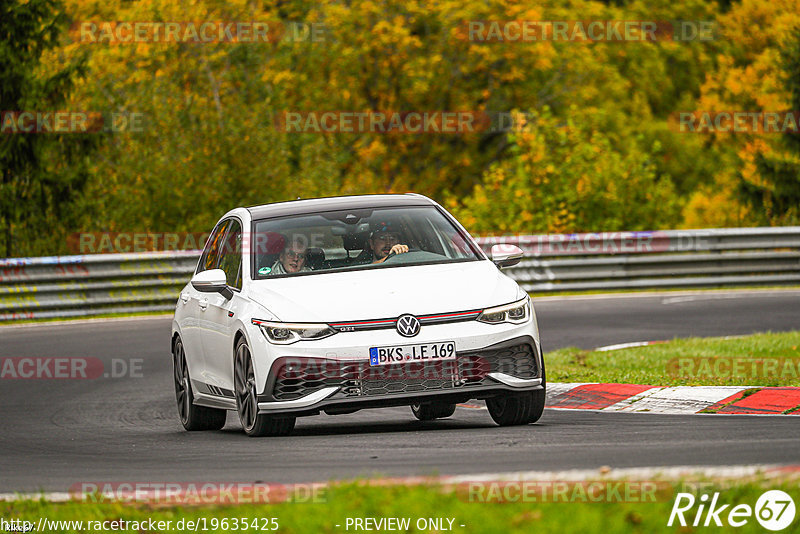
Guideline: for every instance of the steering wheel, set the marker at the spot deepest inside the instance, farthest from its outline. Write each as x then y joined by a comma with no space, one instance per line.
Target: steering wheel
393,254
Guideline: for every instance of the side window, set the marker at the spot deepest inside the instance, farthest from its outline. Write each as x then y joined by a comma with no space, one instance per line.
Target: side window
231,258
210,257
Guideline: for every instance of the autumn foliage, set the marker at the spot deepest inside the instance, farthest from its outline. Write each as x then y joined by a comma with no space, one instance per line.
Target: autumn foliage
591,147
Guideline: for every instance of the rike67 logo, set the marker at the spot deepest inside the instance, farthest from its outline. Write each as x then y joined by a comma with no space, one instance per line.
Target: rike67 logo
774,510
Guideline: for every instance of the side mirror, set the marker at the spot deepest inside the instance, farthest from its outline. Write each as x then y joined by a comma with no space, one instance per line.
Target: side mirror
506,255
212,281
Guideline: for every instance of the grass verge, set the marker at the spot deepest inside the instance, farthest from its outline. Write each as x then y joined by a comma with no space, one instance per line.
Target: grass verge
615,512
770,359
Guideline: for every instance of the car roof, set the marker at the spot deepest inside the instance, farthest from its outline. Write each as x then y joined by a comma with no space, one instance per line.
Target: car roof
317,205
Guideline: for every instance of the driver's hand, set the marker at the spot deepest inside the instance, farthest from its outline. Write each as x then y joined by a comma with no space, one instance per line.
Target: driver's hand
396,249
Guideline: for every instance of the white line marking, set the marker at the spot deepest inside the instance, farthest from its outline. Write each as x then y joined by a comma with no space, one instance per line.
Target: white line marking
637,473
619,346
666,294
694,298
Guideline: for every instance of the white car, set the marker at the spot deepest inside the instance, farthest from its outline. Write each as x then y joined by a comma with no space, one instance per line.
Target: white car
341,304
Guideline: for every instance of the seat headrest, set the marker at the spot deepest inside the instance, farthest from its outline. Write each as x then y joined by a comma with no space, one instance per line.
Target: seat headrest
356,241
315,257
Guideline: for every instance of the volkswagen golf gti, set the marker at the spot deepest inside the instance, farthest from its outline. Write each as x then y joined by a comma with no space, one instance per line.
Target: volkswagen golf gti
340,304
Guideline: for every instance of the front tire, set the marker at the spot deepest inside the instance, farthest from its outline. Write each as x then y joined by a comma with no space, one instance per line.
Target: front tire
428,412
520,408
244,379
192,417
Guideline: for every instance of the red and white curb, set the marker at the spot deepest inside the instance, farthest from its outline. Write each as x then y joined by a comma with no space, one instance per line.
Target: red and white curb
674,400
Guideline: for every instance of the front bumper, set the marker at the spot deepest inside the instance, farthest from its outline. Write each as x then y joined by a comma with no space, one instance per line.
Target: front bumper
514,365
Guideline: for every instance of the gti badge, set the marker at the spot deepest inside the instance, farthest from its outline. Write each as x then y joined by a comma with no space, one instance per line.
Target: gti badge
407,325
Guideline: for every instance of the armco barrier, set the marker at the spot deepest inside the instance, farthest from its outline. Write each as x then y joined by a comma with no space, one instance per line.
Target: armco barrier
70,286
73,286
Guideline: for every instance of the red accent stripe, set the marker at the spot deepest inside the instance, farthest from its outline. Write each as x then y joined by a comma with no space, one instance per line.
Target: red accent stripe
390,321
768,400
449,314
596,396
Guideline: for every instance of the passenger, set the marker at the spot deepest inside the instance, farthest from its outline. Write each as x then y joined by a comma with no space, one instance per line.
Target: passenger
291,260
384,241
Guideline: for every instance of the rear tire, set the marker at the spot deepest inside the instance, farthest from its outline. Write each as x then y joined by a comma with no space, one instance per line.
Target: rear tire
519,408
244,380
192,417
429,412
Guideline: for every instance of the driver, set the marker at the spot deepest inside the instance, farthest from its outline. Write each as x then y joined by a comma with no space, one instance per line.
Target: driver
384,241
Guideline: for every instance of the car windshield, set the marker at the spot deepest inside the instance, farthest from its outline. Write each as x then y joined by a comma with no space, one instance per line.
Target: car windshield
356,239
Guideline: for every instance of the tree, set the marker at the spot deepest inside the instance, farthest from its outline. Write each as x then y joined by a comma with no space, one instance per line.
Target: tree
753,183
34,203
771,172
567,176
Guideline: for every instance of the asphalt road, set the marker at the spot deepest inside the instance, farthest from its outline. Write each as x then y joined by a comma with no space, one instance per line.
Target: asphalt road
56,433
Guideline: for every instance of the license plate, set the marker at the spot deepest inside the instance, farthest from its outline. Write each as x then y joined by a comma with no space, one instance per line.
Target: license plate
444,350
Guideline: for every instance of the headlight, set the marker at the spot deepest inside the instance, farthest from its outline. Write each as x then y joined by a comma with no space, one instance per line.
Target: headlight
516,312
288,333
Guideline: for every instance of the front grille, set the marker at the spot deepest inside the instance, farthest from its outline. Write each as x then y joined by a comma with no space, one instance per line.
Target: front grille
298,377
409,377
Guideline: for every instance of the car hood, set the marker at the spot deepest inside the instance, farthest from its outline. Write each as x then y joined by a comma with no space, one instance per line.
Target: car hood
385,292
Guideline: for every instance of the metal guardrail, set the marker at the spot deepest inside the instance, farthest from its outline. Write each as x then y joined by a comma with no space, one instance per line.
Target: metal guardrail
73,286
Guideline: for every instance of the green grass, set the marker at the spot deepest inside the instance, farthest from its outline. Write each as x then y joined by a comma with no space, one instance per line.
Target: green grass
771,359
414,502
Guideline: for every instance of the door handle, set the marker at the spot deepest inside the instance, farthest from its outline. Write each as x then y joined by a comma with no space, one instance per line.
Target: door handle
203,303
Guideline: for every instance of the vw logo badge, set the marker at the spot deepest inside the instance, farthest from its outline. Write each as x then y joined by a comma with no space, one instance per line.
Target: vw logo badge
407,325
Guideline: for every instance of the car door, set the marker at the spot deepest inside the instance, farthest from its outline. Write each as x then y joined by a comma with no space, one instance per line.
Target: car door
192,306
220,314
